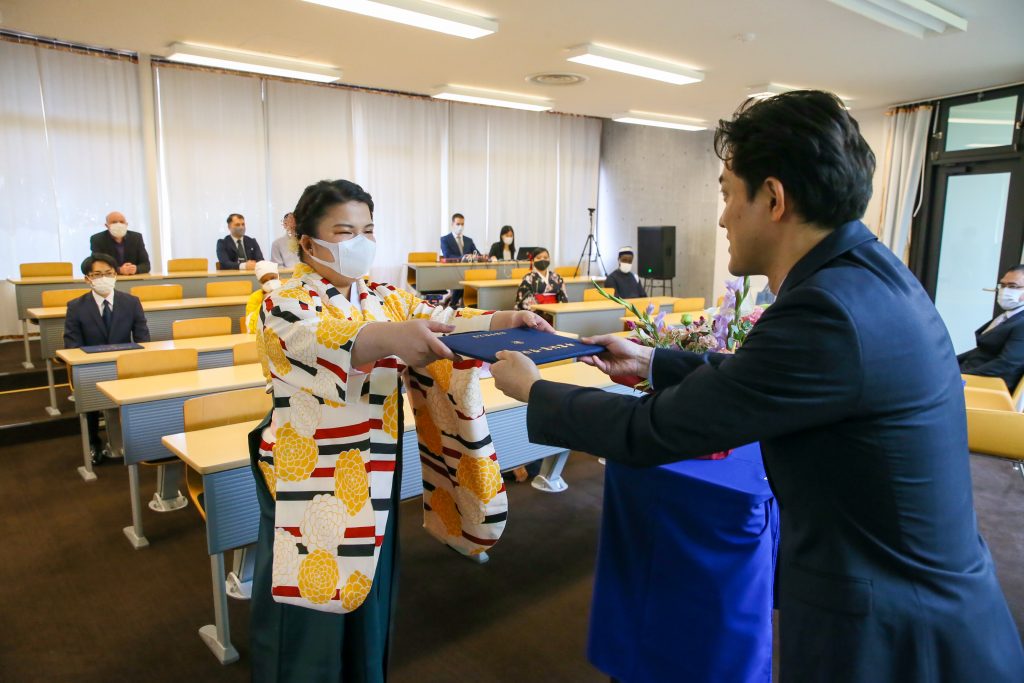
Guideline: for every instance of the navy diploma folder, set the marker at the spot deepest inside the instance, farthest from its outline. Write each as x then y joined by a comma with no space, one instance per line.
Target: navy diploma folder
540,347
106,348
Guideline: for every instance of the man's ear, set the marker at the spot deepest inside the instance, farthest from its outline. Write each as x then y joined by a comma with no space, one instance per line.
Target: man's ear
776,197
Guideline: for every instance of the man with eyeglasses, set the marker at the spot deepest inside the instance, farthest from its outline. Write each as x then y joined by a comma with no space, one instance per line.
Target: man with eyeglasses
103,316
1000,342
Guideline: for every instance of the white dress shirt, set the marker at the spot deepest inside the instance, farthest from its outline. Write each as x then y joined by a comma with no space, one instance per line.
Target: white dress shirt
1002,318
100,299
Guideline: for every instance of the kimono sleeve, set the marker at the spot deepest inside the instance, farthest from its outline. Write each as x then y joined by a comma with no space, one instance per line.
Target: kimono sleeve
401,305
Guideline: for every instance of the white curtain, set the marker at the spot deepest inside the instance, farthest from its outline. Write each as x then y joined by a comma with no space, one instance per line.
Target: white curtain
213,161
906,143
579,160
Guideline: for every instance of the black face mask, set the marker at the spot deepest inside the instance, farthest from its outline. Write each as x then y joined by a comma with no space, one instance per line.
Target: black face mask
541,265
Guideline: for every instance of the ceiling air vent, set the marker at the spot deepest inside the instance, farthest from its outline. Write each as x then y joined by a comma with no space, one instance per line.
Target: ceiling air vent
556,79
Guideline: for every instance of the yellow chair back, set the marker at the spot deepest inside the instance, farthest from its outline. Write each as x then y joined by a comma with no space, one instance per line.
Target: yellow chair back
482,274
243,325
200,327
61,297
157,292
422,257
988,399
182,265
979,382
229,407
244,353
1018,397
690,303
567,271
230,288
519,273
46,269
158,362
996,432
592,294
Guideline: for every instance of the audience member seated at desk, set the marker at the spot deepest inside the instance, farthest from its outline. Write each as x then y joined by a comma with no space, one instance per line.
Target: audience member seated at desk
1000,342
126,246
540,280
282,251
237,251
103,316
267,276
505,248
455,244
624,281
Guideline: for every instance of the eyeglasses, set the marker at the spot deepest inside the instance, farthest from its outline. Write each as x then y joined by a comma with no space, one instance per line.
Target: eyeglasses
1009,285
106,273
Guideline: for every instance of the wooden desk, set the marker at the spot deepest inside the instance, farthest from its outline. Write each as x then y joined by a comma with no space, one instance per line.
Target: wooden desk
149,407
430,277
86,369
500,295
221,456
587,318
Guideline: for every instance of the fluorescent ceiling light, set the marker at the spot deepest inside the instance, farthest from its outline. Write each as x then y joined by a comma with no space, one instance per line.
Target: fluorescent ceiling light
913,17
634,64
646,118
255,62
493,98
420,14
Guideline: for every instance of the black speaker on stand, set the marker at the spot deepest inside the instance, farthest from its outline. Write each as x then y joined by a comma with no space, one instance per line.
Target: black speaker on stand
656,257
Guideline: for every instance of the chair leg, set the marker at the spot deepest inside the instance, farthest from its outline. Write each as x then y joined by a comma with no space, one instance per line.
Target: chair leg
168,488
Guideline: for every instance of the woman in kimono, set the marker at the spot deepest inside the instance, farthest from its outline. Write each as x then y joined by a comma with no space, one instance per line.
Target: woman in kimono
540,280
327,460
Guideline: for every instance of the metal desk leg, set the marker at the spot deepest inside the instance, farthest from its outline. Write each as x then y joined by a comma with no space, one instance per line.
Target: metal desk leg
86,470
51,409
550,478
134,532
27,363
217,635
168,488
239,581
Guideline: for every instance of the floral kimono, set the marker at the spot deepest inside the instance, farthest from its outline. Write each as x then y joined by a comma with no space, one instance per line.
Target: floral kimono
331,461
534,283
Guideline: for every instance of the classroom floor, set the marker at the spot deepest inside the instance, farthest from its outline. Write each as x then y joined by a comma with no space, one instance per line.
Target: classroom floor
80,604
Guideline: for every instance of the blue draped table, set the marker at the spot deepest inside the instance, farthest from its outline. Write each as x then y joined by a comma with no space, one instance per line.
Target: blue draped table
685,572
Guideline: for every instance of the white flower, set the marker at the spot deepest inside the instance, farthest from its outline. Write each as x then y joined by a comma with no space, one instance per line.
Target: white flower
305,413
301,342
465,389
325,385
442,315
472,508
323,524
286,559
434,526
442,410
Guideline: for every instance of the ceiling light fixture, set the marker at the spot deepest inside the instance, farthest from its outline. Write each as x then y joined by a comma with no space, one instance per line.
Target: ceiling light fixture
633,64
418,13
646,118
493,98
254,62
913,17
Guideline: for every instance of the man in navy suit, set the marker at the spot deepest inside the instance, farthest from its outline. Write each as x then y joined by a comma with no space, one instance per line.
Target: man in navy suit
455,244
1000,342
103,316
850,384
238,251
126,246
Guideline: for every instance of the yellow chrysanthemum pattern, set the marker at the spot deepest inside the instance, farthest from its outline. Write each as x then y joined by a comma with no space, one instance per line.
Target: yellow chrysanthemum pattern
351,485
469,312
443,505
297,292
479,475
355,590
395,308
282,366
261,352
295,455
318,577
390,416
429,434
334,333
441,371
269,477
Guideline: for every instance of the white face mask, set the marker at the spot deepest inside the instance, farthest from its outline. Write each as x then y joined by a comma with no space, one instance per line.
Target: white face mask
352,258
458,229
1009,299
271,285
507,240
103,285
118,230
626,267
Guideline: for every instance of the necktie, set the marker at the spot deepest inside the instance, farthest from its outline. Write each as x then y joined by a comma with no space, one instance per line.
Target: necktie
995,323
241,250
107,315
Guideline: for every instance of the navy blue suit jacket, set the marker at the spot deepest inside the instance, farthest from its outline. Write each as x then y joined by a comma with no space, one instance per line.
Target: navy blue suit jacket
850,383
450,248
84,326
999,353
134,249
227,252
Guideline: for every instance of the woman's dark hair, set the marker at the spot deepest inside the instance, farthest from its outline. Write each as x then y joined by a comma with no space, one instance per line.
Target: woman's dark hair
318,198
807,140
91,260
506,229
538,250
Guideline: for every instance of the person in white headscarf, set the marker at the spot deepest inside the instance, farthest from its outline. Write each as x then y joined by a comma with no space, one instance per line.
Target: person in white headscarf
269,280
624,280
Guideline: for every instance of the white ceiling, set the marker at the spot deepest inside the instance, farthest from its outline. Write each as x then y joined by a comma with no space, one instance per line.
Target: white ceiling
807,43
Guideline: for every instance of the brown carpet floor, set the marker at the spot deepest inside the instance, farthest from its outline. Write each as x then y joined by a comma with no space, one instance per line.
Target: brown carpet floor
79,604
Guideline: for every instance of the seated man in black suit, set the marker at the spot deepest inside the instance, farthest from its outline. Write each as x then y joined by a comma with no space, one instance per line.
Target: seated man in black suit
1000,350
623,280
236,251
126,246
456,244
103,316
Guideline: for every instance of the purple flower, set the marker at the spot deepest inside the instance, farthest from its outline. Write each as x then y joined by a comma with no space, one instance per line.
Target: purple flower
659,322
650,308
630,325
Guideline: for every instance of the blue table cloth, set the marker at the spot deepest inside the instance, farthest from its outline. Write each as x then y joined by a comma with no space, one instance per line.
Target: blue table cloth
685,572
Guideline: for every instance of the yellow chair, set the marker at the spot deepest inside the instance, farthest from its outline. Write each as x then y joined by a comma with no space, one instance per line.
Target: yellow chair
231,288
61,297
46,269
158,362
988,399
692,303
182,265
422,257
200,327
482,274
592,294
244,353
519,273
996,432
157,292
567,271
217,410
242,325
1018,397
979,382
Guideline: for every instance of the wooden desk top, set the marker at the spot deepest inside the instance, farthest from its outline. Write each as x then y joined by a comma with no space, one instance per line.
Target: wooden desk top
223,448
77,280
201,344
475,264
587,306
150,306
195,383
514,282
